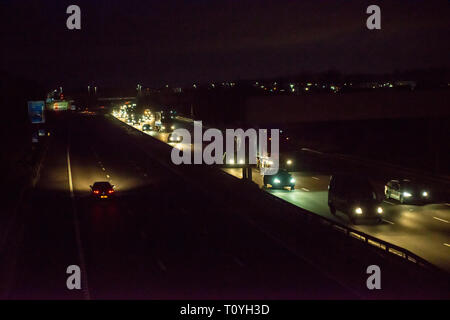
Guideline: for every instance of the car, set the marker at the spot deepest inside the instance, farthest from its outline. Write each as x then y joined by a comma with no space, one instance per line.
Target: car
355,196
173,137
146,127
279,180
102,190
406,191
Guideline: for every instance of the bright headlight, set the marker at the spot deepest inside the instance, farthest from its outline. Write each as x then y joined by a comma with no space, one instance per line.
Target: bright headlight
407,194
380,210
172,127
425,194
289,162
276,180
292,180
358,210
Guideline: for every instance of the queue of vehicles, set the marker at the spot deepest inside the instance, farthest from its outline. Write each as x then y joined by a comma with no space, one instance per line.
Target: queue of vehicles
157,121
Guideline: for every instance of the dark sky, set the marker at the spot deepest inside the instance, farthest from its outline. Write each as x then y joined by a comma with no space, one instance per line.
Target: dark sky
178,42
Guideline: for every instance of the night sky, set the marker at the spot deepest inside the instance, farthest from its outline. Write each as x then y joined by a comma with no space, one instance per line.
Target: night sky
123,43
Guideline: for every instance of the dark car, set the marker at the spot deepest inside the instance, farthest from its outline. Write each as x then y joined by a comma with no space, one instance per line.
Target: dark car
406,191
279,180
102,190
354,196
166,127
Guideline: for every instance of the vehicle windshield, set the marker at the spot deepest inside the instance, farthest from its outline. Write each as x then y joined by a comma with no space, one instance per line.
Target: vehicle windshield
412,186
364,193
102,185
283,172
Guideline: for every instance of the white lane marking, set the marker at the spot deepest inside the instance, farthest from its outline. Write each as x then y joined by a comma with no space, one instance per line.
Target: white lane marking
84,279
388,221
305,189
447,244
161,265
389,202
441,219
315,178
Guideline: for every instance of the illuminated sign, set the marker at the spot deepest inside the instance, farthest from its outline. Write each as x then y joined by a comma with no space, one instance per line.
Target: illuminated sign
36,111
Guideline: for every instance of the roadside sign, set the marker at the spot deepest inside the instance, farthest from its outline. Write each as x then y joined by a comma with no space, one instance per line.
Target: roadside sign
60,105
36,111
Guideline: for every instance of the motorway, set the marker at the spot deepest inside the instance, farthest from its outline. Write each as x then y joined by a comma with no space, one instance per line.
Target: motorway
422,229
163,238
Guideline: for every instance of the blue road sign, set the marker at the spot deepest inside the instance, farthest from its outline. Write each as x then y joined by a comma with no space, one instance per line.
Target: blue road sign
36,111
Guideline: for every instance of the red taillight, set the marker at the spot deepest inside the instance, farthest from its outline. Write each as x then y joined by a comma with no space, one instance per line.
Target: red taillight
111,191
96,191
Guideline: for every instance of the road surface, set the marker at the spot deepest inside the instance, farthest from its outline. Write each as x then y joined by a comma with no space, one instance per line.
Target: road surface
422,229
